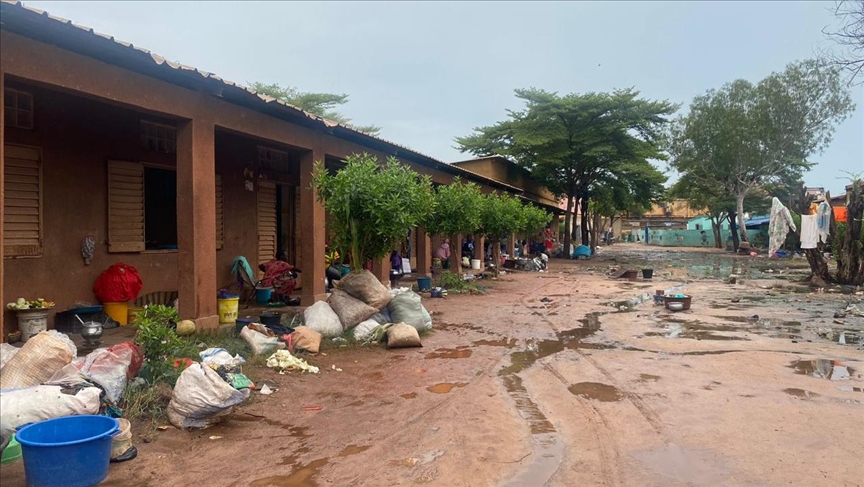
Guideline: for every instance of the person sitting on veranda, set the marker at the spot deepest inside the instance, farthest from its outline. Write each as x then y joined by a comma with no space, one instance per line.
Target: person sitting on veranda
282,277
443,253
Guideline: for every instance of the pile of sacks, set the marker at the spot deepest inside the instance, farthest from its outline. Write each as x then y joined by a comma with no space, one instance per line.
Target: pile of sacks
360,302
44,379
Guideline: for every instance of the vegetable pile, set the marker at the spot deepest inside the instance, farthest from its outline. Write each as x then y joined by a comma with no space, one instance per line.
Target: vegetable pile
23,304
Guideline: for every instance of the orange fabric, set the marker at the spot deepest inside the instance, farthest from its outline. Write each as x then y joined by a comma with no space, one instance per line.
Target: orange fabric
840,213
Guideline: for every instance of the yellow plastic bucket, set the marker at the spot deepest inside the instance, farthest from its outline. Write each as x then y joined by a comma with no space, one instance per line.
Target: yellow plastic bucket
133,313
118,312
228,309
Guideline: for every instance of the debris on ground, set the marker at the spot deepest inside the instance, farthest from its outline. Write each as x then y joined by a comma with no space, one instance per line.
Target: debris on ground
261,343
402,335
283,360
307,339
201,397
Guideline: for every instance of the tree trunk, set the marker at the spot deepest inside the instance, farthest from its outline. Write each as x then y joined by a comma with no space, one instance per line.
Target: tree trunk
733,229
496,256
739,204
850,263
718,235
585,226
568,220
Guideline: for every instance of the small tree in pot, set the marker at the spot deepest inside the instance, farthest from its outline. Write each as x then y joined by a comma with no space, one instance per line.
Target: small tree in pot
372,206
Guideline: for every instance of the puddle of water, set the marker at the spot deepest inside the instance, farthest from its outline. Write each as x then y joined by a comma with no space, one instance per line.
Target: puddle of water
410,395
628,305
596,390
823,369
648,378
294,457
301,476
526,407
691,466
445,387
792,391
353,450
450,353
504,342
548,450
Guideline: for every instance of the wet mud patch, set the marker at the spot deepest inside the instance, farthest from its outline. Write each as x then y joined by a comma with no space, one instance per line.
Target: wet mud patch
503,342
302,475
800,393
353,450
648,378
449,353
596,390
445,387
409,395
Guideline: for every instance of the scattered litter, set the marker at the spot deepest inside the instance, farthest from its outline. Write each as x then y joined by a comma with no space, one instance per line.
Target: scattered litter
305,338
339,340
162,428
215,437
201,397
283,360
261,344
335,368
266,391
313,408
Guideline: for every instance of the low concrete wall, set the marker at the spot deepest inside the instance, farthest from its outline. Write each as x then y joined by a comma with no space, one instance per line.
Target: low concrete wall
694,238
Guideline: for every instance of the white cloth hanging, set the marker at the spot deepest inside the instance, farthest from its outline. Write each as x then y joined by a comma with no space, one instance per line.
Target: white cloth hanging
809,232
778,227
823,221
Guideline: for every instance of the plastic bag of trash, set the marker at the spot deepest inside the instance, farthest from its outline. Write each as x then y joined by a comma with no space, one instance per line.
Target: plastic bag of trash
364,329
283,360
109,368
38,403
367,288
349,309
39,358
305,338
407,308
219,356
382,317
7,352
261,344
402,335
321,318
201,398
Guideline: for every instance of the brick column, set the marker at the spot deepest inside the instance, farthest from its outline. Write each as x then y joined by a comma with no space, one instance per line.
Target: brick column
423,252
196,222
3,311
381,269
511,245
312,235
480,250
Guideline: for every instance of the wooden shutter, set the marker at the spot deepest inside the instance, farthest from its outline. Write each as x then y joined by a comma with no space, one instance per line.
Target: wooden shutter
220,220
22,233
125,206
266,221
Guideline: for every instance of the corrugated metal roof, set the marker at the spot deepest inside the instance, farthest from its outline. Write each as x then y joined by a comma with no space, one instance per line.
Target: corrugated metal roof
158,60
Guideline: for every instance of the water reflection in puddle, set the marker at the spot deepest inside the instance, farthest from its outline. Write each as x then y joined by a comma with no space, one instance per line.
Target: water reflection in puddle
823,369
445,387
596,390
450,353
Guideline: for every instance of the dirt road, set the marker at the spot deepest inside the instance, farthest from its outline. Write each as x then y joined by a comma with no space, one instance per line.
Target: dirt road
563,378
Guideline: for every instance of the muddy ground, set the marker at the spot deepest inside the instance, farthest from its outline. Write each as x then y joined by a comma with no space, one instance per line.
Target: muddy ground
564,378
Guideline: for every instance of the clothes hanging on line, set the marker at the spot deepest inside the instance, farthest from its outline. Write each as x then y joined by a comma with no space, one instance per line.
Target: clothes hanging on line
779,226
823,221
809,232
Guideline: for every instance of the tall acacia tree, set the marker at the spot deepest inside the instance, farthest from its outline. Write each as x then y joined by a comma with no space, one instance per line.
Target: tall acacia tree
321,104
745,136
570,142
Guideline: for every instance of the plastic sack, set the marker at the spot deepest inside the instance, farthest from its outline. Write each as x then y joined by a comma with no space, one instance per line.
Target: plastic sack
118,283
382,317
367,288
364,329
110,368
349,309
219,356
321,318
406,308
201,398
38,403
7,352
261,344
427,318
305,338
402,335
40,357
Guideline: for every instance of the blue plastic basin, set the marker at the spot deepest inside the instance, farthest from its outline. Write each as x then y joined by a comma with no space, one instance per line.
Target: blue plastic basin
262,294
72,451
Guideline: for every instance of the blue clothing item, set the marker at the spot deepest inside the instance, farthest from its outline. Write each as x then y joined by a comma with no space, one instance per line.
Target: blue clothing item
582,251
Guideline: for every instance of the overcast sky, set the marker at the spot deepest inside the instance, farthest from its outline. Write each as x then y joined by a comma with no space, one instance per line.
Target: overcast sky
427,72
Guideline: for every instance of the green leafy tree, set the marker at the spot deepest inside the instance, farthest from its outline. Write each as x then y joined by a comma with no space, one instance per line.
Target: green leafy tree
500,216
570,142
372,206
321,104
457,209
744,136
533,220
